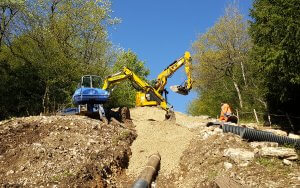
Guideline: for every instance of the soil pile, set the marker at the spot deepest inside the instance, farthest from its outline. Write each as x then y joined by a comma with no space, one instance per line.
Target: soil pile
70,151
62,150
157,135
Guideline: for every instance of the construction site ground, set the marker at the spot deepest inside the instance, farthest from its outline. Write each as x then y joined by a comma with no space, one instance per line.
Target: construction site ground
70,151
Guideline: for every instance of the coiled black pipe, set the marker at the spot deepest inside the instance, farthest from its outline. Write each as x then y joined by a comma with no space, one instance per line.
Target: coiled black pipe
256,135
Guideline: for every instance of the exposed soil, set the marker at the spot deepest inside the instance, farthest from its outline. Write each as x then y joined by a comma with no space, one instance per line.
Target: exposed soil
76,151
192,155
62,150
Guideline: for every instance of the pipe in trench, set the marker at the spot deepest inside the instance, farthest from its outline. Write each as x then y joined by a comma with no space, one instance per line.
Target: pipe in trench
147,175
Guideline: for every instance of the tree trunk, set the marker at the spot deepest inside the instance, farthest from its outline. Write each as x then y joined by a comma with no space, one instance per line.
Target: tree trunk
239,94
243,73
45,98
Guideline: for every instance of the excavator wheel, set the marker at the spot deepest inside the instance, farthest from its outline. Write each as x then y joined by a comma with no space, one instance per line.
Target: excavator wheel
170,116
104,120
124,113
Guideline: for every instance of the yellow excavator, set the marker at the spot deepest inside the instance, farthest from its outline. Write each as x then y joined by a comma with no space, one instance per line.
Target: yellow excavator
144,99
152,94
90,97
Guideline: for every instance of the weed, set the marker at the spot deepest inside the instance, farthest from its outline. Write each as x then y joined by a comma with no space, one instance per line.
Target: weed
273,165
267,162
59,177
212,175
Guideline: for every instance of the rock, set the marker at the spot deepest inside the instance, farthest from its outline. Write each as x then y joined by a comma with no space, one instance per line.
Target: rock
22,168
227,165
37,144
239,155
10,172
67,128
287,162
218,130
295,136
91,142
279,152
244,164
292,158
263,144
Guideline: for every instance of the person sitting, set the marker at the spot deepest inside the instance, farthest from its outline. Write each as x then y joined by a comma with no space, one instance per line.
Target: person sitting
225,112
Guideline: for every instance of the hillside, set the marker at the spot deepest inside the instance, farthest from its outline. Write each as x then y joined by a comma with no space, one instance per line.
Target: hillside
79,151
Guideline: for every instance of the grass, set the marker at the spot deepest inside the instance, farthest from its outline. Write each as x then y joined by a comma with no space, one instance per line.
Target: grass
274,165
59,177
212,175
266,162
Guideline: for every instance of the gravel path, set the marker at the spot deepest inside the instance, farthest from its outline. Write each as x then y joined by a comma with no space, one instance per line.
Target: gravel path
155,134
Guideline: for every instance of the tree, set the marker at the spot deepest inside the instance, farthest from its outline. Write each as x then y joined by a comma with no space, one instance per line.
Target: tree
51,45
9,11
275,30
221,69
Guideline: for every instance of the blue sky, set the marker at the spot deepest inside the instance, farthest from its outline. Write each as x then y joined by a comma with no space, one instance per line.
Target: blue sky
160,31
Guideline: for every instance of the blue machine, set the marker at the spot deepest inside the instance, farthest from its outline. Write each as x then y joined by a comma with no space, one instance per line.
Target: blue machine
89,97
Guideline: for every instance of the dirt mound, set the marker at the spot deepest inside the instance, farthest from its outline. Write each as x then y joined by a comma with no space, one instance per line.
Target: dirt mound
70,151
207,158
62,150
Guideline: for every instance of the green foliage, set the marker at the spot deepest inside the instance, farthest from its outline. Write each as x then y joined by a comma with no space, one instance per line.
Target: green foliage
45,47
221,69
275,30
124,93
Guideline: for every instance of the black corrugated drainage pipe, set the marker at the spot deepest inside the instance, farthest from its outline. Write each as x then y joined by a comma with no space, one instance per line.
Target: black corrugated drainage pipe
256,135
233,129
148,173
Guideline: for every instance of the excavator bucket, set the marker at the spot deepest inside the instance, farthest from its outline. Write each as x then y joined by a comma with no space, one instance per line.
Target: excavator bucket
170,116
179,89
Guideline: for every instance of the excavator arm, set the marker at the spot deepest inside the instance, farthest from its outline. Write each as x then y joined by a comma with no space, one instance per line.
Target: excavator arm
170,70
138,84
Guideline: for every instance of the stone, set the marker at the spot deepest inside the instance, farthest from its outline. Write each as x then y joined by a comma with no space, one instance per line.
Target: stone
227,165
279,152
292,158
37,144
263,144
239,155
287,162
295,136
10,172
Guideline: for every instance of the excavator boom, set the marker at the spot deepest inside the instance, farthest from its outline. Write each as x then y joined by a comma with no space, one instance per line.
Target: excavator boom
139,84
170,70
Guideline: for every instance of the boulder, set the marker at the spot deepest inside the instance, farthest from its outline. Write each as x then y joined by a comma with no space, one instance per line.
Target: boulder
239,155
280,152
